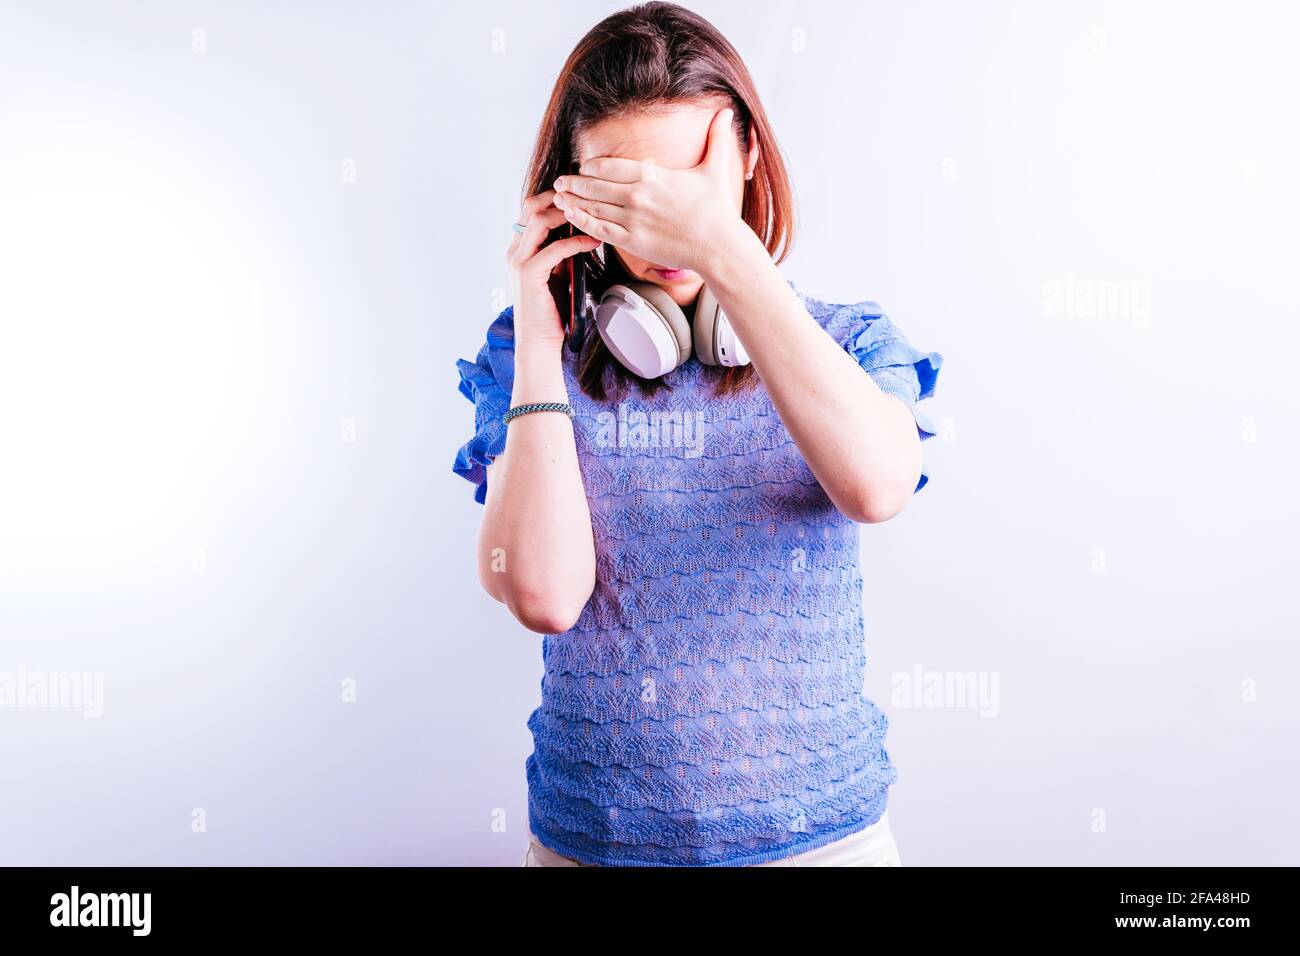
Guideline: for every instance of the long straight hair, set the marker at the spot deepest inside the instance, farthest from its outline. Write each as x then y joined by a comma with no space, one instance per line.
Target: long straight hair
648,55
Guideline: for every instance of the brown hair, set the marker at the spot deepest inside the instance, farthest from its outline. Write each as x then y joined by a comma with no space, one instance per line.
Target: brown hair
641,57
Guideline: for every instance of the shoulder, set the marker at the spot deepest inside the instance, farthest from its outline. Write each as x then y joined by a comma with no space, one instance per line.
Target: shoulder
867,333
844,321
492,370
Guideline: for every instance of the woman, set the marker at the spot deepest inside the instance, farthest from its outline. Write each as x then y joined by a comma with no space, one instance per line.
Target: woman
687,543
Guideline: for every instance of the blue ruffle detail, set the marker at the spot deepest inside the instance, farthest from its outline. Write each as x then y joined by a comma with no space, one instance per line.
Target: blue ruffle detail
899,369
487,382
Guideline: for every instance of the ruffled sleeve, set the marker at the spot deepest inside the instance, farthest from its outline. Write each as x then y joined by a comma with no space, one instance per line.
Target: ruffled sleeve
899,369
487,382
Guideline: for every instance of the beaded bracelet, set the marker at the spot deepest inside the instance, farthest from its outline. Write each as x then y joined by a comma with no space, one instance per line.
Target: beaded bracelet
538,407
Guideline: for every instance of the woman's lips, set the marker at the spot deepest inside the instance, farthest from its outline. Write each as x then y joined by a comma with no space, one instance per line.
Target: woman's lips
673,275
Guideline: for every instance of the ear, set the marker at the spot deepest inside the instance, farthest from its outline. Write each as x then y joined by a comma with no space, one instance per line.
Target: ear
751,158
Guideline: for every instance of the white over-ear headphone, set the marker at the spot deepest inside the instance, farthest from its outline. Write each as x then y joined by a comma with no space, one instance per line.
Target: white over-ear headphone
648,332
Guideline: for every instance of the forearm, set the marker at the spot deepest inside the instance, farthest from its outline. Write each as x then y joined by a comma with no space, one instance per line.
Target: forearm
859,442
536,552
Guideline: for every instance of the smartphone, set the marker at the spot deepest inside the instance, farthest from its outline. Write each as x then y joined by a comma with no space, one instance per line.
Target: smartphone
570,289
579,296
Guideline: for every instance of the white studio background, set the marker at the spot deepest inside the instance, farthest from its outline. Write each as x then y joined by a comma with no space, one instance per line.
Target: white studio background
242,246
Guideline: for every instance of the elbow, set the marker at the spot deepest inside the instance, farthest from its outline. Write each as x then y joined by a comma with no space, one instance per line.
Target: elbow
874,510
886,494
876,503
546,605
545,610
546,601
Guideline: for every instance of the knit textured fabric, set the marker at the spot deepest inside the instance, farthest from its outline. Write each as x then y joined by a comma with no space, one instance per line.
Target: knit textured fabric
707,709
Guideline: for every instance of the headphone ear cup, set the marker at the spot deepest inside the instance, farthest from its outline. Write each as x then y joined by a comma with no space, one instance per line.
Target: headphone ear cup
644,328
715,340
671,313
706,317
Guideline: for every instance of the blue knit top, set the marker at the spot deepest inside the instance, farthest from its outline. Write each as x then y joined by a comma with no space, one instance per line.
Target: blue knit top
707,709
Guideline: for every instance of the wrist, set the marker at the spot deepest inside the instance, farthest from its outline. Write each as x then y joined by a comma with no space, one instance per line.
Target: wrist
539,373
533,350
735,251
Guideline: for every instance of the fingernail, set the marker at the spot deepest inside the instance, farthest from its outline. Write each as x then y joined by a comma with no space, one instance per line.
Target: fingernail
559,183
